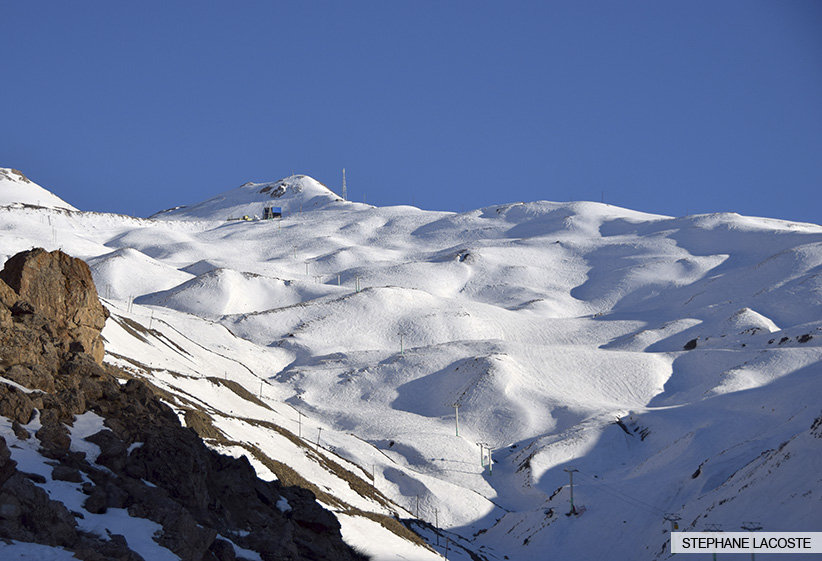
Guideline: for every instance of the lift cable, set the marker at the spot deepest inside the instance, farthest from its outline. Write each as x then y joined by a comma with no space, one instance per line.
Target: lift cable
633,501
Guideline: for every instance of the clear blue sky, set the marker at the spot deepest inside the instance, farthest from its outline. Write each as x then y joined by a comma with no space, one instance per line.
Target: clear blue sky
660,106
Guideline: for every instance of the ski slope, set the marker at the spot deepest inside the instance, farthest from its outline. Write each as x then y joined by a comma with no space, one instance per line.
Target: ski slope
674,362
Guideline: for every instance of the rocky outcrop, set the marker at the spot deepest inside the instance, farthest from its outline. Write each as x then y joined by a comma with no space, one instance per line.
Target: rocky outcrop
149,464
61,289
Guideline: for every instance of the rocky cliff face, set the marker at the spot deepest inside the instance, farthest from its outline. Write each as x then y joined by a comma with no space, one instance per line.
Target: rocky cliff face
148,464
61,289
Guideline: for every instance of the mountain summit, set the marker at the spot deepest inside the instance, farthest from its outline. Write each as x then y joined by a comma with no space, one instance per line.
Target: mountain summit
291,194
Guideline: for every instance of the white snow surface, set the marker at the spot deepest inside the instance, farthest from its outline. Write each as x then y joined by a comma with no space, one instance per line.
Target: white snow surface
17,189
358,329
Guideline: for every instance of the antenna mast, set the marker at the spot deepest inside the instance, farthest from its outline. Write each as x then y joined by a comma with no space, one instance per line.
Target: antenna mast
344,193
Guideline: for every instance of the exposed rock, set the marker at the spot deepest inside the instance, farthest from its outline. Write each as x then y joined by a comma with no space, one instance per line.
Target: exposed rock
15,404
60,288
221,550
40,520
7,295
54,438
7,465
66,473
32,376
148,464
19,431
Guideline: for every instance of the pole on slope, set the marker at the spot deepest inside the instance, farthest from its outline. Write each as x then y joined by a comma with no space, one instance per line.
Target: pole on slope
752,527
713,528
319,432
456,407
344,189
490,461
570,470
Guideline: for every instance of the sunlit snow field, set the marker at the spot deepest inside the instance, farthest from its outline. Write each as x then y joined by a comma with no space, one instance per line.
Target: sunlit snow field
365,331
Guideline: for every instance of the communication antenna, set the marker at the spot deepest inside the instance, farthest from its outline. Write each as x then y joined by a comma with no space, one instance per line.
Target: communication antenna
345,191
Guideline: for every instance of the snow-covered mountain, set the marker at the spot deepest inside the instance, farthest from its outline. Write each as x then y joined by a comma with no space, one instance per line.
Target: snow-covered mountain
16,188
250,199
673,362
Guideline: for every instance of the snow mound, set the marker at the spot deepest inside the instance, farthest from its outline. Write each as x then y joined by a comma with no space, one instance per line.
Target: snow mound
225,291
292,194
748,321
16,188
126,273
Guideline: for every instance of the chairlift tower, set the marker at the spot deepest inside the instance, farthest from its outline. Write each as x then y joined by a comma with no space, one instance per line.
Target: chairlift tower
752,527
570,470
674,520
713,528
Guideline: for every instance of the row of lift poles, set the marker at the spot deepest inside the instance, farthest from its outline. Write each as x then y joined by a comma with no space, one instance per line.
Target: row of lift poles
672,518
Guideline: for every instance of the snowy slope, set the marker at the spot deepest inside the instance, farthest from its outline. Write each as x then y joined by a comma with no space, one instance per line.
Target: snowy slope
16,188
675,362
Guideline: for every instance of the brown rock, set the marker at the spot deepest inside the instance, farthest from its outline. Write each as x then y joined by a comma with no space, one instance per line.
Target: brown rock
60,287
28,341
7,465
19,431
40,519
222,551
15,404
7,296
96,502
53,435
66,473
33,377
5,316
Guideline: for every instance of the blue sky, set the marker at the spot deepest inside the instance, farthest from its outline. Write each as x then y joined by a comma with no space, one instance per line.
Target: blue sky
659,106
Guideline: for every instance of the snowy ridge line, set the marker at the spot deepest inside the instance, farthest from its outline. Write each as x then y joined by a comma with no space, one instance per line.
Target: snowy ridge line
73,213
